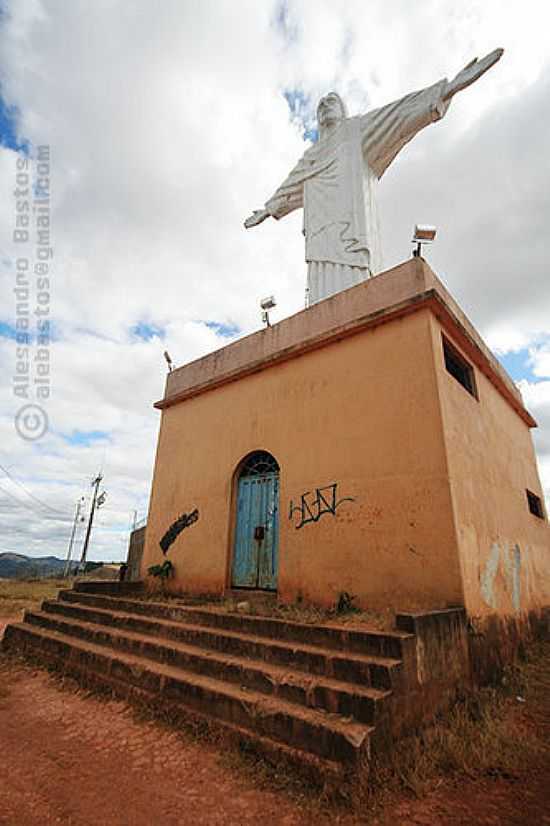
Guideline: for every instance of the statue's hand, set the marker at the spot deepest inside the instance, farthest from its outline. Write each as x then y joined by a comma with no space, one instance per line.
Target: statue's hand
471,73
256,218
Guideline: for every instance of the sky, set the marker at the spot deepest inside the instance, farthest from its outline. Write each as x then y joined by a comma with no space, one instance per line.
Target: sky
149,131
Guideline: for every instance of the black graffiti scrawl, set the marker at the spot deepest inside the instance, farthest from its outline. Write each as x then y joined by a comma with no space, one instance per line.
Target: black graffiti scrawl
314,505
176,528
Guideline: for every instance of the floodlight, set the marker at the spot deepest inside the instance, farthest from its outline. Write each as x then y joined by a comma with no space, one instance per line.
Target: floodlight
267,304
168,360
423,234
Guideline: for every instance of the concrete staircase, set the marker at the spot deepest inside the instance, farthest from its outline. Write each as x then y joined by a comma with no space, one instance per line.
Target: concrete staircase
320,697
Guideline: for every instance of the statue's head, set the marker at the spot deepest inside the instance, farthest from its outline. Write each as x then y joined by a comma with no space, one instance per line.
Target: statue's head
330,112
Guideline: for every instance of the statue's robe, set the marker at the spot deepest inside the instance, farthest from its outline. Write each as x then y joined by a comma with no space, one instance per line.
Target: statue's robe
335,182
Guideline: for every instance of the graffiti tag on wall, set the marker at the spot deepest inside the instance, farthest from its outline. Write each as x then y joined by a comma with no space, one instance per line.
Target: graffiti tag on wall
176,528
315,504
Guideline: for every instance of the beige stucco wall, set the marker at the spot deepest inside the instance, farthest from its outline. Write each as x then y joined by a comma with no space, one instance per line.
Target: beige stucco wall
354,391
504,549
362,412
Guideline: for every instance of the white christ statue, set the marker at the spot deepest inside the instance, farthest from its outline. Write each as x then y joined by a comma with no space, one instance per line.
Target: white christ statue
335,180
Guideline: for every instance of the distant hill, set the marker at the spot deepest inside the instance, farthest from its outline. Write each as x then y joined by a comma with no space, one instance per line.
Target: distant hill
18,566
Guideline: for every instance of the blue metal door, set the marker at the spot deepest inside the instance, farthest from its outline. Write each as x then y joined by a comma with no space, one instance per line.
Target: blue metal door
257,532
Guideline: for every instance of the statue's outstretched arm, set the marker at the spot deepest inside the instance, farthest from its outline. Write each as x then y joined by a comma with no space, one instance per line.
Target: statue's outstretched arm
256,218
288,197
471,73
385,131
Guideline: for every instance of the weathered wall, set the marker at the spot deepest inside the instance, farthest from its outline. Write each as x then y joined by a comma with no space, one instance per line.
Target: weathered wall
504,549
361,413
436,665
135,553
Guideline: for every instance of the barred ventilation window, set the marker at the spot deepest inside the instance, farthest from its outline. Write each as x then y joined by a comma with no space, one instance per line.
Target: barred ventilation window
259,463
459,368
535,504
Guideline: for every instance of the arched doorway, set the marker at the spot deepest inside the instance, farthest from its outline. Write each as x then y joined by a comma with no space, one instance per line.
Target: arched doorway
255,552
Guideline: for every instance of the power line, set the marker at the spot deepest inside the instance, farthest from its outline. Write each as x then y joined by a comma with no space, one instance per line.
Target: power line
22,486
14,530
33,510
19,502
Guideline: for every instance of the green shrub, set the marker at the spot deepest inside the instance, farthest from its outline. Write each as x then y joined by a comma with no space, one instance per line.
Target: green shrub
162,572
345,604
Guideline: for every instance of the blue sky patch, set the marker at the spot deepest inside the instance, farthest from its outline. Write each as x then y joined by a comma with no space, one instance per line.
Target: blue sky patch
311,134
146,331
8,128
221,329
517,366
303,112
85,438
7,330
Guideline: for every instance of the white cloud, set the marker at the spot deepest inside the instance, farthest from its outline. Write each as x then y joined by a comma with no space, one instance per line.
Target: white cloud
536,396
167,126
539,358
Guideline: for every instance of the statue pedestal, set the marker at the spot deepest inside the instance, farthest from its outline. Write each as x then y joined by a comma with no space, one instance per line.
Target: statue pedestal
402,460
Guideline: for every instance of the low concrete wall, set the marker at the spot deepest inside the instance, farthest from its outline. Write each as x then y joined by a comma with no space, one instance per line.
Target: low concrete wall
115,588
436,665
441,644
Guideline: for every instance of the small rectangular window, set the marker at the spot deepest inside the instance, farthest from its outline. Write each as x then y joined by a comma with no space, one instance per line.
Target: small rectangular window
535,504
459,368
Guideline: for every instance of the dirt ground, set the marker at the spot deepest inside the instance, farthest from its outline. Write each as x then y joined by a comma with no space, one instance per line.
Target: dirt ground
75,759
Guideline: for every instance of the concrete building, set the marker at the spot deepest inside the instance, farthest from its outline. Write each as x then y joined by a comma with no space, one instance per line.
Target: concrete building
370,444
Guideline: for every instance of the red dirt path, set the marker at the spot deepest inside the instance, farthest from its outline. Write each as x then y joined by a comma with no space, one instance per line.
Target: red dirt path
73,759
80,761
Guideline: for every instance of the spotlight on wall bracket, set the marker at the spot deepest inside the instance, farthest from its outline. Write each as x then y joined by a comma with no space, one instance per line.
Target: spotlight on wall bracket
423,234
267,304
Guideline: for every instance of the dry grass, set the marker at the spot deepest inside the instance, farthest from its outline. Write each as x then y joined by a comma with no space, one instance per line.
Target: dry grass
259,606
314,615
489,733
16,595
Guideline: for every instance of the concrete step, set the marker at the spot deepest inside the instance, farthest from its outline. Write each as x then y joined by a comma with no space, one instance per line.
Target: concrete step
366,705
363,641
327,736
379,643
364,670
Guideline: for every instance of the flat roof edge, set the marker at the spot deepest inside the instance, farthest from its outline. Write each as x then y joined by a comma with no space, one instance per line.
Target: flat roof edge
435,298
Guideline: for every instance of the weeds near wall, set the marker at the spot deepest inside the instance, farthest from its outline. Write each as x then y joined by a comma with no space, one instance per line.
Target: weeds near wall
343,612
162,573
345,605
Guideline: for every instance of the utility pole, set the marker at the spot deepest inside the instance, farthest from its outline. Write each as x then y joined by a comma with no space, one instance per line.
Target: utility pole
97,502
77,518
